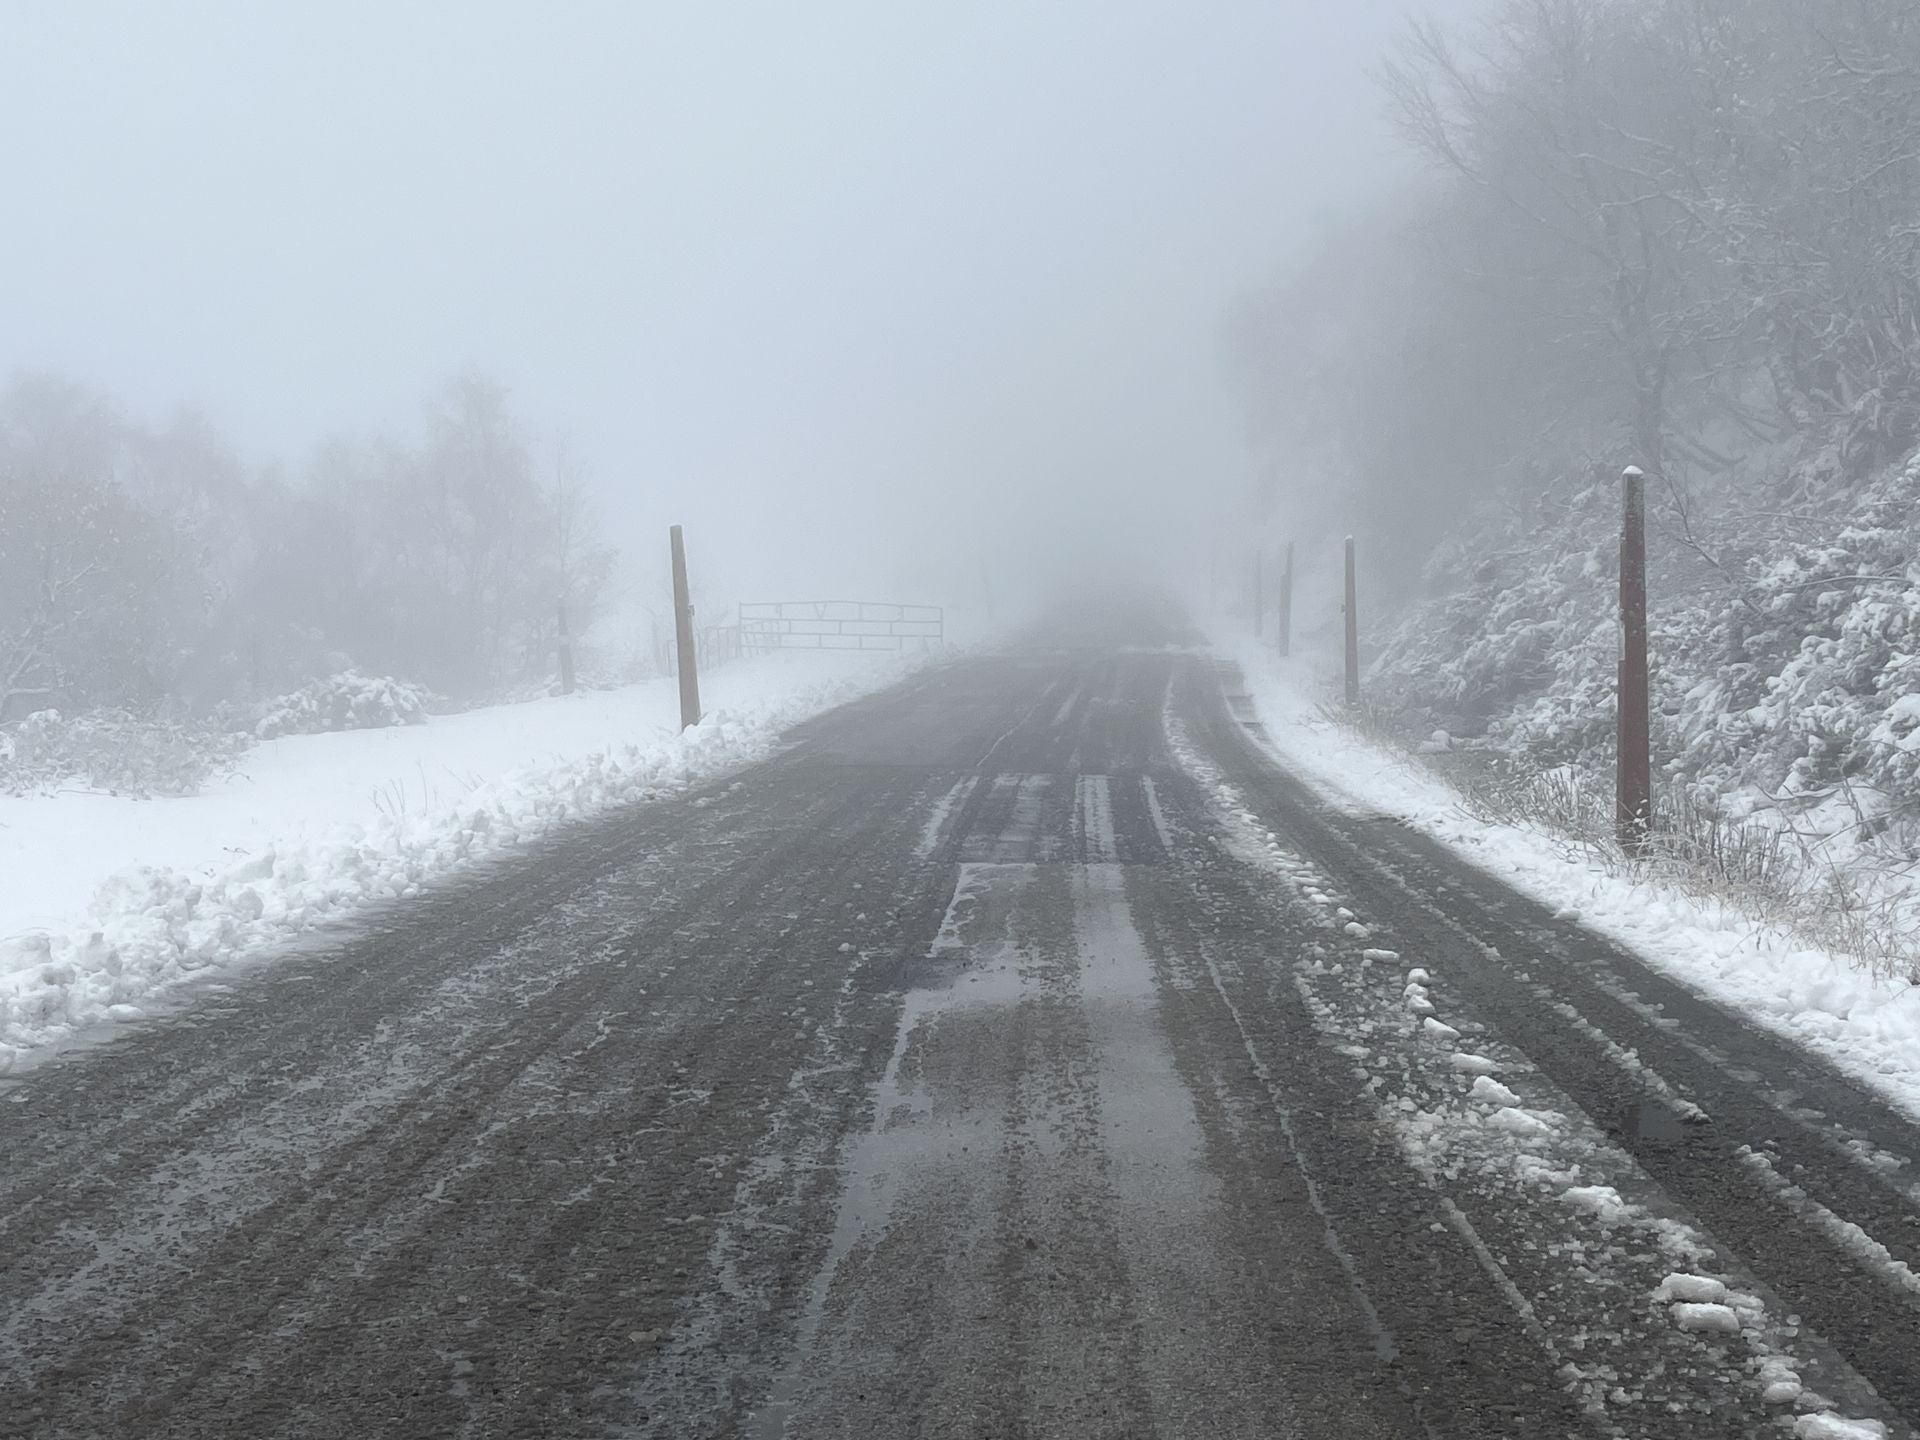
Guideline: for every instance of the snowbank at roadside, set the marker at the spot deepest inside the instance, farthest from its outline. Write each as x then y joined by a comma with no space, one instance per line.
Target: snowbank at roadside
1867,1026
105,901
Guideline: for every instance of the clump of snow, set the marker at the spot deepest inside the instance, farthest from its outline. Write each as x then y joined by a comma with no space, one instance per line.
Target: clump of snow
1492,1091
1439,1030
1695,1289
1523,1123
1780,1382
1833,1427
1601,1201
1707,1317
1472,1064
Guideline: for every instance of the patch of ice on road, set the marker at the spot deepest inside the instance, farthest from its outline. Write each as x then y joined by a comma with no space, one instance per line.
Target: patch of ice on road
935,829
1492,1091
1156,814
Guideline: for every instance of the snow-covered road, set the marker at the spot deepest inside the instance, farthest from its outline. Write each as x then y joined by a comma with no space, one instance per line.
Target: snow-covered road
1021,1051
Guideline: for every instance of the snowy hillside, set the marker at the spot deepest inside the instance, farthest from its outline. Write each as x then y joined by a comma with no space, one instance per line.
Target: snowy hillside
1786,673
1785,668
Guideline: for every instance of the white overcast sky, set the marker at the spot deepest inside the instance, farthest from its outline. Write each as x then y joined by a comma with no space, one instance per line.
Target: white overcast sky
827,281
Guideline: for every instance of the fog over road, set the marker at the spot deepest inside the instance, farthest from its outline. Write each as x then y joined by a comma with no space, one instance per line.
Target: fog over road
1020,1052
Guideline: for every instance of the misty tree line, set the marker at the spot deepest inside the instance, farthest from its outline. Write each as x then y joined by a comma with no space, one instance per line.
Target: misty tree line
148,569
1684,233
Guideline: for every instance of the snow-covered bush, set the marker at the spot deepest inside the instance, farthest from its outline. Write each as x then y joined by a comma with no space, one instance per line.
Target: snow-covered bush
346,701
113,751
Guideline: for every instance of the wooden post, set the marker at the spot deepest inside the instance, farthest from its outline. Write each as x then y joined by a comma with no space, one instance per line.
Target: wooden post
1633,774
1351,611
1259,594
683,636
566,651
1286,604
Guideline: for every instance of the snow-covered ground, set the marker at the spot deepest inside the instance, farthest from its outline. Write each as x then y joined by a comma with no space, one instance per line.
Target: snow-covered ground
1867,1026
106,902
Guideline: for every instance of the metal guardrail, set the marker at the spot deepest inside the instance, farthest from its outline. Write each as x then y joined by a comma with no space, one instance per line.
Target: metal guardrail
839,625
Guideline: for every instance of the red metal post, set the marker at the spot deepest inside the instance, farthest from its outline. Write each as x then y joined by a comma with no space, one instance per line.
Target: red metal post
1286,604
1351,610
683,636
1633,790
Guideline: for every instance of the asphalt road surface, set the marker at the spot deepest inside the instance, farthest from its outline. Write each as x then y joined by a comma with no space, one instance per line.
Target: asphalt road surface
1020,1053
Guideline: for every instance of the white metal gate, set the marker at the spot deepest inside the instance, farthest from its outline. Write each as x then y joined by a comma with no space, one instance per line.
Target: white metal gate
840,625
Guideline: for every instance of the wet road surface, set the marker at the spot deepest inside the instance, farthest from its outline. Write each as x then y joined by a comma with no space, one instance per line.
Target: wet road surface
1019,1053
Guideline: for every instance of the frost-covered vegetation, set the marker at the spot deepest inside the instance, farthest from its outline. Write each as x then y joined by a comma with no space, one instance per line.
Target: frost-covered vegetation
347,701
1791,671
1674,233
111,751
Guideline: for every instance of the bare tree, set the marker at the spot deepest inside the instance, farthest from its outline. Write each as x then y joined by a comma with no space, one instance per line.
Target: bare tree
85,577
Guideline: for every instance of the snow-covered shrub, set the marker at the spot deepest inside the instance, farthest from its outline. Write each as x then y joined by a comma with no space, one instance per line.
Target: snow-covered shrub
1513,645
346,701
113,751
